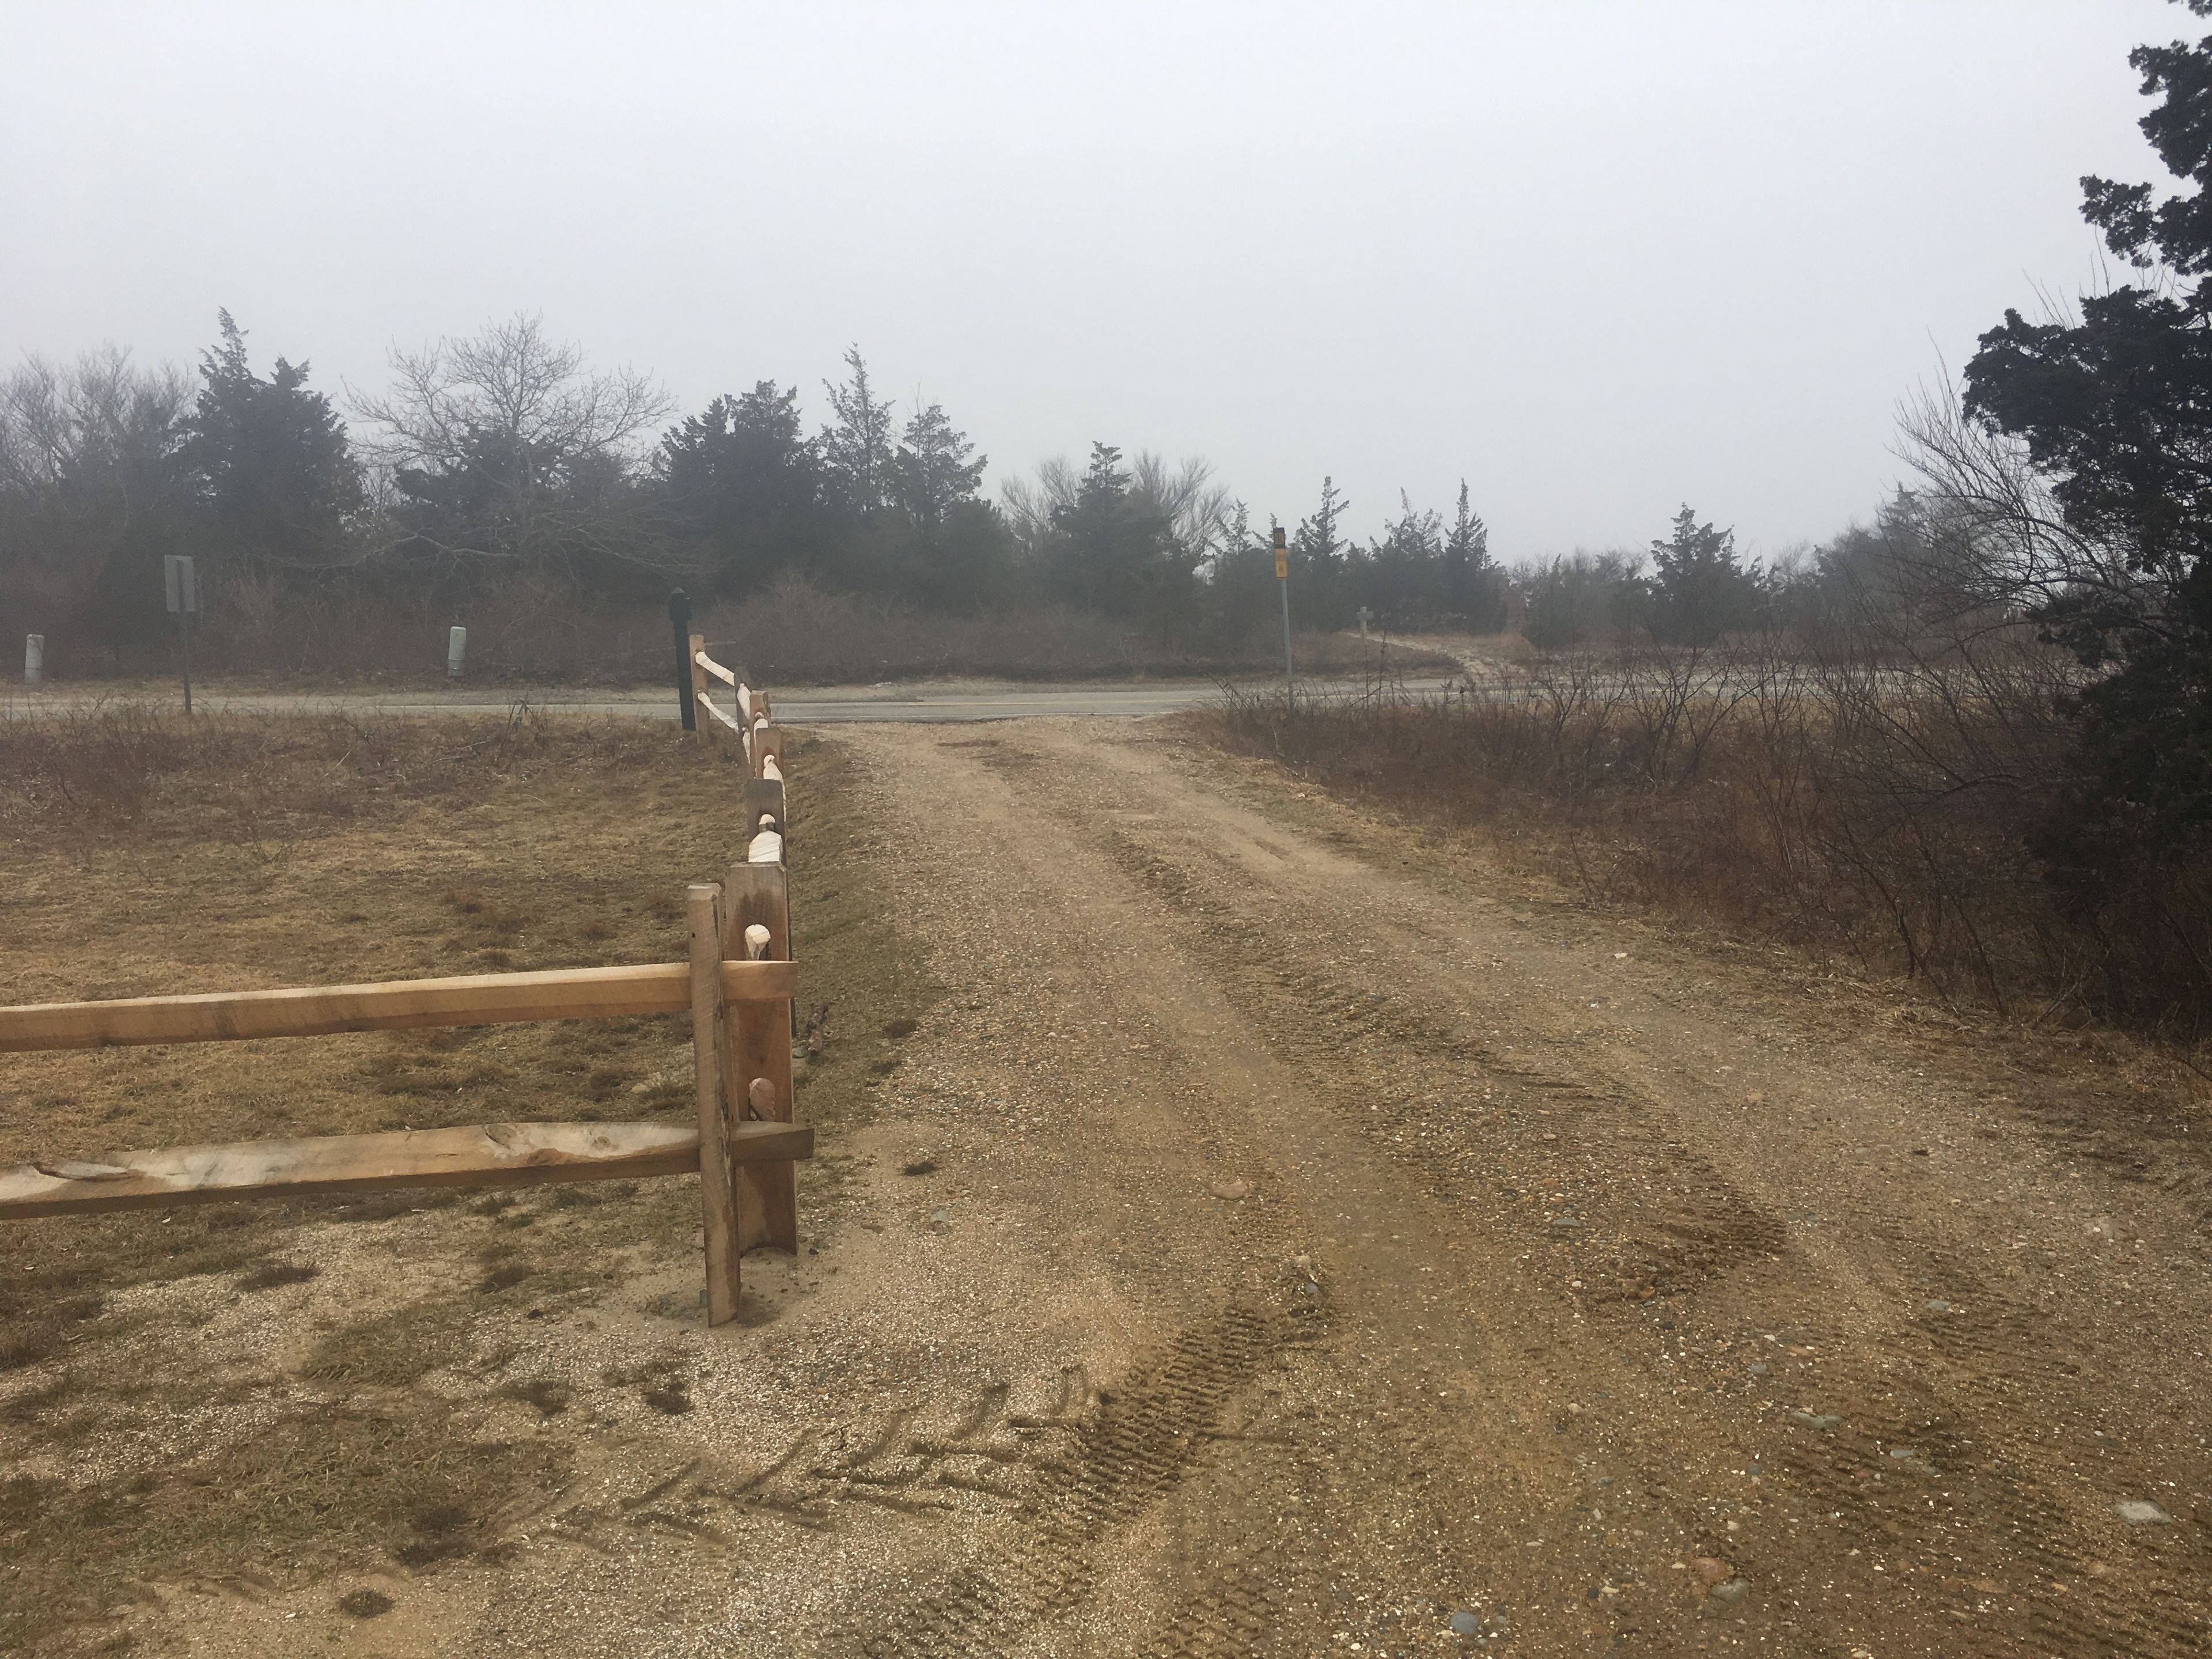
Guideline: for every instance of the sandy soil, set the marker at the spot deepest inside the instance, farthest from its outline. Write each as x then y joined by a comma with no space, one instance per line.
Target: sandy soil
1282,1236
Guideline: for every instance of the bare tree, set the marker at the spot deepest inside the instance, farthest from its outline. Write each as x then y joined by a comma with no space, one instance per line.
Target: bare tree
501,445
1988,544
91,491
1183,496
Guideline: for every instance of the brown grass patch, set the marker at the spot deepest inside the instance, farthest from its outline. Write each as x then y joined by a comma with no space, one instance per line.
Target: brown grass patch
151,855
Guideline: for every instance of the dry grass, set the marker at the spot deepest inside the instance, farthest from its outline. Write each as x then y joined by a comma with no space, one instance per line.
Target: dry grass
1875,814
798,635
538,633
297,1389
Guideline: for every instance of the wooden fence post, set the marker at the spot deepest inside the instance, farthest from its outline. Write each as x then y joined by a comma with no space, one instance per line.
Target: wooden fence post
719,1197
757,1077
762,795
768,745
706,727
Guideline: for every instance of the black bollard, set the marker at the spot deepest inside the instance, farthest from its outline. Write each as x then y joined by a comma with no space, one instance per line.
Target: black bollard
679,617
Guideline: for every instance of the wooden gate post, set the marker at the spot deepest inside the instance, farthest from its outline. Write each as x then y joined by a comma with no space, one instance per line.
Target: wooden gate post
718,1205
757,1080
707,722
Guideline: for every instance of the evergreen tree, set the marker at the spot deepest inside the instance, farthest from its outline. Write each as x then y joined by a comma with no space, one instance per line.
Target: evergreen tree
856,446
931,471
954,551
1474,586
276,476
1115,551
1320,554
744,490
2116,411
1699,589
1401,579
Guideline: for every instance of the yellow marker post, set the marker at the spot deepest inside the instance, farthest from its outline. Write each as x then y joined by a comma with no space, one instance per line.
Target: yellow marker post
1283,577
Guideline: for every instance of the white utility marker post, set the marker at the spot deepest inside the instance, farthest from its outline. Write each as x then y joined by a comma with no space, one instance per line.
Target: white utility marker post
184,604
34,658
457,643
1283,582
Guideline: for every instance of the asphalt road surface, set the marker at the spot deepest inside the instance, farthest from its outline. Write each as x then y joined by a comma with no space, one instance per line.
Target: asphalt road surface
929,703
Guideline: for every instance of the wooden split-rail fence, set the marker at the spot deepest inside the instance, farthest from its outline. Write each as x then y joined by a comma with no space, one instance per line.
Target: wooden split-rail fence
738,987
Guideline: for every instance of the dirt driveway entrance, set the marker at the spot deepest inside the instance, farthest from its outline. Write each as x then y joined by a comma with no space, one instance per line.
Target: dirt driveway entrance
1281,1236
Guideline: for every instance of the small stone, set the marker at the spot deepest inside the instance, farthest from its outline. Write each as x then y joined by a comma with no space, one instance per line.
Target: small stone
1465,1623
1231,1190
1711,1570
1937,1304
940,1217
1901,1452
1565,1224
1757,1370
365,1604
1731,1589
2137,1513
1547,1135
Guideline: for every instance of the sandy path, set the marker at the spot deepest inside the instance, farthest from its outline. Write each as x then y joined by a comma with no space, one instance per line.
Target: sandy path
1594,1233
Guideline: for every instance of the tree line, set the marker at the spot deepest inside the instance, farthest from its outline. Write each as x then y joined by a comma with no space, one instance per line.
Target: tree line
502,462
504,459
501,465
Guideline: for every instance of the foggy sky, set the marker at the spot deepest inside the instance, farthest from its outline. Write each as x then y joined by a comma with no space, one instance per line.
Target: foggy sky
1598,258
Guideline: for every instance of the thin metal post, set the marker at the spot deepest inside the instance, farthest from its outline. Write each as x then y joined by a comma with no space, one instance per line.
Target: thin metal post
185,617
679,618
1283,582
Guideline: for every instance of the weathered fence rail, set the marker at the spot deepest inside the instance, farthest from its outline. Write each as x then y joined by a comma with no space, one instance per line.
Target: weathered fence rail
737,986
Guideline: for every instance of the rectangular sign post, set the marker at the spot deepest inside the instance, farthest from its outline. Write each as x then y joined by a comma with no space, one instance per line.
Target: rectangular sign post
1283,582
184,604
456,645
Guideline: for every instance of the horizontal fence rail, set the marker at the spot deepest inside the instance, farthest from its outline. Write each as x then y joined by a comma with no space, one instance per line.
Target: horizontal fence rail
660,988
485,1155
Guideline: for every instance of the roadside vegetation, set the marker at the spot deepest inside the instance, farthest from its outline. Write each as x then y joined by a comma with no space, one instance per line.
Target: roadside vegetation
263,1396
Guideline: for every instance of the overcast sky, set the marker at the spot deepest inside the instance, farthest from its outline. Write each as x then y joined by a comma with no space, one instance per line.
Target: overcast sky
1597,258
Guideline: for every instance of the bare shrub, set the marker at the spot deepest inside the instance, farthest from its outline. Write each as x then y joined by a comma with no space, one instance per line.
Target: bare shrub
1863,804
797,633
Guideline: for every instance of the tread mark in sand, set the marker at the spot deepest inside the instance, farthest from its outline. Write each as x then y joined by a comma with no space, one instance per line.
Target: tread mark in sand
1141,1443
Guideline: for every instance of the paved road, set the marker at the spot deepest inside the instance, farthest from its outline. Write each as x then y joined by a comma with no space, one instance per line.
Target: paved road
926,702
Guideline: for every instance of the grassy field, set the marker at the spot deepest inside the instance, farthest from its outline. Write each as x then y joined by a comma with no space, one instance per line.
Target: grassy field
291,1392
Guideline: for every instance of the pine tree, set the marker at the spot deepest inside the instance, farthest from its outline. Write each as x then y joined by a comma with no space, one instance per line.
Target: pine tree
1699,589
271,458
856,446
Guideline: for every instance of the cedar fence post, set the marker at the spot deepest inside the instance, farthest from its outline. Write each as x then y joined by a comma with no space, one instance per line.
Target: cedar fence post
709,1035
757,1078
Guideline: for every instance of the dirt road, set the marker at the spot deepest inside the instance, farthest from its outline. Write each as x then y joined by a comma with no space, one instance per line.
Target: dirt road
1575,1275
1281,1236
